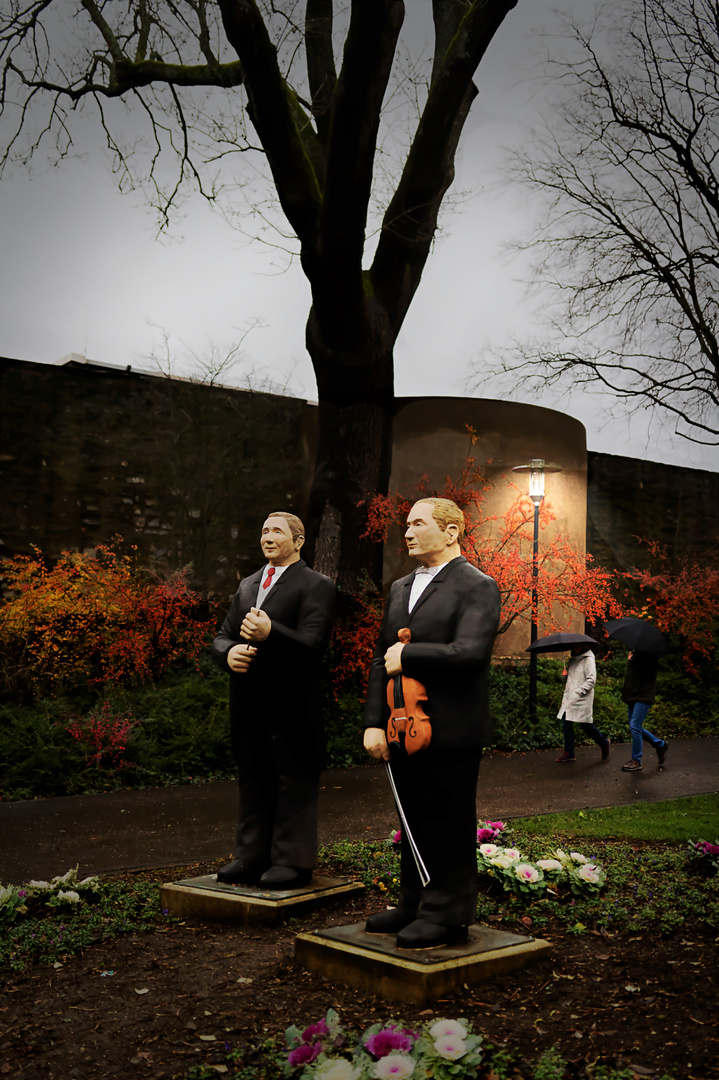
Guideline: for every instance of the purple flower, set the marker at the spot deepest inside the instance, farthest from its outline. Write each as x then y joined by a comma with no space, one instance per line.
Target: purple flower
389,1041
311,1032
22,892
305,1054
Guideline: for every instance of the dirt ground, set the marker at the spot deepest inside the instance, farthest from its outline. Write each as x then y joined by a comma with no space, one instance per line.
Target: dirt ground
187,994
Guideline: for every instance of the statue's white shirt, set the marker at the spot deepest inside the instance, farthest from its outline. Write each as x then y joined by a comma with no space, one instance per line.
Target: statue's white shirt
263,592
423,575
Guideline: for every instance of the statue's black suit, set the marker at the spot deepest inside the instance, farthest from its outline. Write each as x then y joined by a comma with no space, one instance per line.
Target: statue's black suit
276,718
453,625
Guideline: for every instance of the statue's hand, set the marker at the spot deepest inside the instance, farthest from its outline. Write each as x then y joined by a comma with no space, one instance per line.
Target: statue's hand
393,659
240,657
256,625
375,743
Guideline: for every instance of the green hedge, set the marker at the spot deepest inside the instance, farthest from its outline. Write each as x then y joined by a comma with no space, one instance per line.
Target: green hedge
181,725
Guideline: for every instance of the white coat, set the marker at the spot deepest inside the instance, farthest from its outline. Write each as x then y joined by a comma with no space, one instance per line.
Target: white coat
578,698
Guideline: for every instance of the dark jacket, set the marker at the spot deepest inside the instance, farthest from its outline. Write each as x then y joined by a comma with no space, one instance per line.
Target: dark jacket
282,686
640,680
453,624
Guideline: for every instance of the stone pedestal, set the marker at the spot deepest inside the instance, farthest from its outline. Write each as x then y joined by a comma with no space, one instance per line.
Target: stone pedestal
373,964
206,898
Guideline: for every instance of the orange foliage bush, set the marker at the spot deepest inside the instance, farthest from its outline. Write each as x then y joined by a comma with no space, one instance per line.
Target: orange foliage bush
94,618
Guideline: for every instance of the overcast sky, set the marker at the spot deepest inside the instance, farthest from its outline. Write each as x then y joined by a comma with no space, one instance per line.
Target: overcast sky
83,270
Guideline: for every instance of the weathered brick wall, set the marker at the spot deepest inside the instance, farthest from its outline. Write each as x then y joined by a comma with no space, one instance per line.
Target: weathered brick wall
186,472
627,498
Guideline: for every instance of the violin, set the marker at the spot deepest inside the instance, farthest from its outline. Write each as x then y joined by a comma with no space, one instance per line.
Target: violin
405,698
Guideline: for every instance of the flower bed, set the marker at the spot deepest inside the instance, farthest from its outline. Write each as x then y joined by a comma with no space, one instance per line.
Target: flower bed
442,1050
563,870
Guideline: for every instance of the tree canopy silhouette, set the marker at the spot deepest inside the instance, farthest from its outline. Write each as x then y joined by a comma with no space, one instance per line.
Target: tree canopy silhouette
216,82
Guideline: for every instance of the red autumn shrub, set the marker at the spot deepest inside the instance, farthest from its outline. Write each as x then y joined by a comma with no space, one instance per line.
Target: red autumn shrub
105,734
682,600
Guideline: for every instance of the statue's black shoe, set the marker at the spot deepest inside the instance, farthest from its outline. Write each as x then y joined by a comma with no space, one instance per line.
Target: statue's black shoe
285,877
238,872
422,934
388,922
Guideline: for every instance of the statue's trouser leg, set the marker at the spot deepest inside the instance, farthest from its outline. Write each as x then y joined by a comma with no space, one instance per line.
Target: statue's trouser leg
278,808
438,790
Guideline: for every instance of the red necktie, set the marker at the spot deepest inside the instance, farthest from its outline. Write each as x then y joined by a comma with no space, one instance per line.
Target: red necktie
268,579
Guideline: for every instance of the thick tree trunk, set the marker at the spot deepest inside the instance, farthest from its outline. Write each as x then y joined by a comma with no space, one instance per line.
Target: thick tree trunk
354,447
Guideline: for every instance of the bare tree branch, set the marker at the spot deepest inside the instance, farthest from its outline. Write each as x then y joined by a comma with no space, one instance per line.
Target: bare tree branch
627,171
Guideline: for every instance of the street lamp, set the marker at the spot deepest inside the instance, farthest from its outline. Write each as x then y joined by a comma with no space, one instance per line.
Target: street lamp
536,469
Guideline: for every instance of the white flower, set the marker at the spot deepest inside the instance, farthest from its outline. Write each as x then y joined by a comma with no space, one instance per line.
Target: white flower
561,855
450,1047
549,864
488,850
503,861
70,895
577,857
39,885
526,872
591,873
6,893
338,1069
448,1027
393,1067
63,879
513,854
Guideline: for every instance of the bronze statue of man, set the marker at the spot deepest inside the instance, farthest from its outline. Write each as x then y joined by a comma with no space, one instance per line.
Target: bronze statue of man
452,610
271,643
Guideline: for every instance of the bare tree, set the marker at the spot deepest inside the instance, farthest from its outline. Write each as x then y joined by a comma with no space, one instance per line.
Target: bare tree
193,69
626,172
215,362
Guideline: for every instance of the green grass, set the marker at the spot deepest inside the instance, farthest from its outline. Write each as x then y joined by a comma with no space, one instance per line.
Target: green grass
673,820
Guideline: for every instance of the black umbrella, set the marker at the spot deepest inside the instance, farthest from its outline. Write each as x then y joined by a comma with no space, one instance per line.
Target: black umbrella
639,635
559,642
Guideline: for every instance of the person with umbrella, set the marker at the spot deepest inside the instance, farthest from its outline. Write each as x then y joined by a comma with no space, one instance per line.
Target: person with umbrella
578,698
578,701
640,683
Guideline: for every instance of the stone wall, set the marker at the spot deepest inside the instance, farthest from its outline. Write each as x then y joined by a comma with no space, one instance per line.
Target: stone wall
187,472
184,471
627,498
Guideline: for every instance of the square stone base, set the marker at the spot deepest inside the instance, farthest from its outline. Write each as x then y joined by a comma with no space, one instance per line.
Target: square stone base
373,964
207,898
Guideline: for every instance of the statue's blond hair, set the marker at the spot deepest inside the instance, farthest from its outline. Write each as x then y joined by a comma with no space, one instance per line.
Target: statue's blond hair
445,512
296,527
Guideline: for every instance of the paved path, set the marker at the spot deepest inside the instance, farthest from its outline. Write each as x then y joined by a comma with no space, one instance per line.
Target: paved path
160,827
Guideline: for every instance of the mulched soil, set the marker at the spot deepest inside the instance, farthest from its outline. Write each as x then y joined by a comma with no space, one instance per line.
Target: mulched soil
186,994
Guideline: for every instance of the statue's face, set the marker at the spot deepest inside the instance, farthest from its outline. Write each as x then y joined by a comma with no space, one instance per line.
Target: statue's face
426,542
277,544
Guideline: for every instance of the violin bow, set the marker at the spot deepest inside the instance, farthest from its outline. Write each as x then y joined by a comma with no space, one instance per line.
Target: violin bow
421,868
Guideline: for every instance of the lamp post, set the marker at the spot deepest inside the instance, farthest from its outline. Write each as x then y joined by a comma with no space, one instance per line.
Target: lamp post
536,469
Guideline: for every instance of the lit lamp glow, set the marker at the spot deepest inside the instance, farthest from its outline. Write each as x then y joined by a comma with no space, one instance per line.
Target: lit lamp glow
536,469
536,479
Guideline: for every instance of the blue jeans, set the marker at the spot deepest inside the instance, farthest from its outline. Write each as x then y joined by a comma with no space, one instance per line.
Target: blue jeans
637,712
